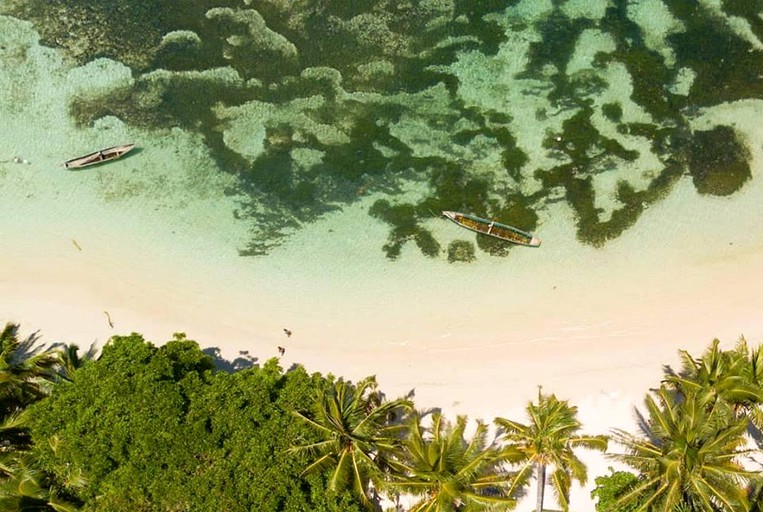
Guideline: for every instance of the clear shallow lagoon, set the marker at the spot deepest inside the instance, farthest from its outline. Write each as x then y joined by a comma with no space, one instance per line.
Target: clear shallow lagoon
298,153
293,110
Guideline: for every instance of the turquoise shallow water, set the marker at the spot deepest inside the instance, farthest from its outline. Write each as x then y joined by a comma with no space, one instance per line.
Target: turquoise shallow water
271,116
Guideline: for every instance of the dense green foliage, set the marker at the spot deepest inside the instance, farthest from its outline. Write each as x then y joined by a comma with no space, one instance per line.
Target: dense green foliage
611,488
155,429
151,428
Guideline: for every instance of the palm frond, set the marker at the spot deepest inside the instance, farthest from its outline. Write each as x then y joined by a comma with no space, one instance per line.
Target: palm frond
692,451
358,438
450,470
560,481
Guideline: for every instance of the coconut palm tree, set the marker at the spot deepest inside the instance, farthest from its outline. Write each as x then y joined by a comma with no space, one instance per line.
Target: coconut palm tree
752,373
23,488
449,472
718,375
549,441
70,360
687,455
26,369
26,373
734,377
359,431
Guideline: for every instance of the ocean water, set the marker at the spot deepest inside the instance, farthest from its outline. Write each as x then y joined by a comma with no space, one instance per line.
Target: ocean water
284,113
294,156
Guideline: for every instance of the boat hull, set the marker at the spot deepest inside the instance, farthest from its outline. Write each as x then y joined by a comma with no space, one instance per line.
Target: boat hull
493,228
99,157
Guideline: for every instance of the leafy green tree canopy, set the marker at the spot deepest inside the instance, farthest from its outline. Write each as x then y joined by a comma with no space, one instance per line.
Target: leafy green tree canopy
610,488
155,429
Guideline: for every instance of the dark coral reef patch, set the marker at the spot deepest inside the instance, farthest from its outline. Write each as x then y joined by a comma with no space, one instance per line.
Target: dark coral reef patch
718,162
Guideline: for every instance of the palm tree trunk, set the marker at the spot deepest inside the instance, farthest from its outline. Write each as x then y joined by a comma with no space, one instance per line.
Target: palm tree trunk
540,478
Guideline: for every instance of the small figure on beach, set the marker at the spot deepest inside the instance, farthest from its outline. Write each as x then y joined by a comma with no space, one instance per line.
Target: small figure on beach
287,332
281,350
108,317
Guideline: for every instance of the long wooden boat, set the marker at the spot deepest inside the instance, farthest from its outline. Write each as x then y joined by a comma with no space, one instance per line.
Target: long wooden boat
493,228
104,155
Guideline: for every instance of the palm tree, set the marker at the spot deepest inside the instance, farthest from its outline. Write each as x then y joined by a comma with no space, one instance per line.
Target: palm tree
26,373
752,373
26,369
451,473
719,375
70,360
734,377
24,487
359,431
687,455
548,441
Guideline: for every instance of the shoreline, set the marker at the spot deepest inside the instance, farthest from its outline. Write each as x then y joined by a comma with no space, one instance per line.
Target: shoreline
471,339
